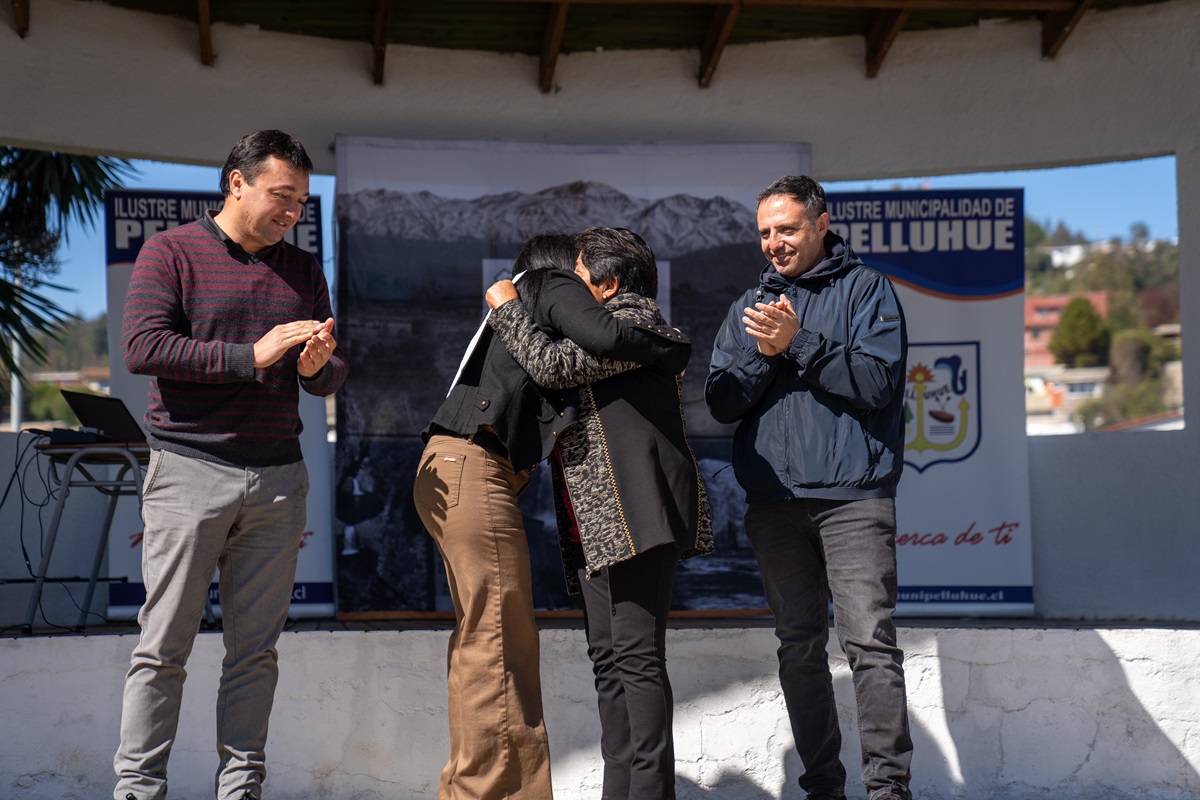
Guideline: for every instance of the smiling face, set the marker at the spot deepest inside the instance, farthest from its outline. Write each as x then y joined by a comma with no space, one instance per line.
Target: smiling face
269,206
791,239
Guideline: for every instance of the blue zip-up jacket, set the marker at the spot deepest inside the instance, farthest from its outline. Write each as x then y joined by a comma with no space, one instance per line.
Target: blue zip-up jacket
825,418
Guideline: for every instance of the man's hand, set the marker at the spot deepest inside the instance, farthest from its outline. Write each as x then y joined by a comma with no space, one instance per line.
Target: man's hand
317,350
773,324
282,338
500,293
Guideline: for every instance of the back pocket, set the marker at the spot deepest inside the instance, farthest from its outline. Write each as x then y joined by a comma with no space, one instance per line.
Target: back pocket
439,481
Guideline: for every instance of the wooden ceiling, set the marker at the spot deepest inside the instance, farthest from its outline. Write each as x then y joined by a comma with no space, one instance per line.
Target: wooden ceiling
546,28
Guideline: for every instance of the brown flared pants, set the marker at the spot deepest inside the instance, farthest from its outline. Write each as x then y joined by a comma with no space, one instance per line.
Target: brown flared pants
467,499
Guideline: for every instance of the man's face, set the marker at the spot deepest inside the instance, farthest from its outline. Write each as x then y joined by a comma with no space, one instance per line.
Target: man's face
582,271
791,240
270,206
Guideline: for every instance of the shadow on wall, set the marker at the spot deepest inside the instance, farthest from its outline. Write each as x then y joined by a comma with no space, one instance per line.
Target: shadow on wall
1002,714
1058,713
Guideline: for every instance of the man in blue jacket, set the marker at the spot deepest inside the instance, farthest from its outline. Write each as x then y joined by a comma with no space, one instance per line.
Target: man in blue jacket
811,365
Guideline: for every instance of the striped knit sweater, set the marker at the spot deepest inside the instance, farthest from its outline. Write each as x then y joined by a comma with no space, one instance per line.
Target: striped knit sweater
197,302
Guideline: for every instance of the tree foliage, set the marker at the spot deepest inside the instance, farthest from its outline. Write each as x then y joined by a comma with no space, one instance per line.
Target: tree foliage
1035,233
1122,402
1082,337
45,402
1131,358
1062,236
83,343
1135,382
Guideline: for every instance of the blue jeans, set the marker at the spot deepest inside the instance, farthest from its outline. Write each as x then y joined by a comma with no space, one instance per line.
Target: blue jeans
808,551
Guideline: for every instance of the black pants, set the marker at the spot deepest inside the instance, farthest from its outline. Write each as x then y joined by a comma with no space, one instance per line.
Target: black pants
809,551
625,616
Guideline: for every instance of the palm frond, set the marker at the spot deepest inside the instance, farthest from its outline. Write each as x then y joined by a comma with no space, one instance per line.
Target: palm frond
61,187
26,315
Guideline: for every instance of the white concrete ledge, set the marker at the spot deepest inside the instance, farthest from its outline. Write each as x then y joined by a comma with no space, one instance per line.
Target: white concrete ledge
998,714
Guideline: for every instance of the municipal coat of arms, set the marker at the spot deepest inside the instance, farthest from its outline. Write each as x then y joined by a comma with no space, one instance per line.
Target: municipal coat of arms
941,403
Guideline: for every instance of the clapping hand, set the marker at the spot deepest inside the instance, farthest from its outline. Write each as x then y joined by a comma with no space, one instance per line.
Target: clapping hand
773,324
317,350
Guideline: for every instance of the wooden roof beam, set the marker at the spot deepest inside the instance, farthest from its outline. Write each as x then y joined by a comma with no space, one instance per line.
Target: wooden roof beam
719,27
1057,26
1028,6
204,19
379,39
884,29
556,25
21,17
1024,6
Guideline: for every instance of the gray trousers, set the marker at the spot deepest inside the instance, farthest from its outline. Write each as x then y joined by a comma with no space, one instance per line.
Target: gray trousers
200,516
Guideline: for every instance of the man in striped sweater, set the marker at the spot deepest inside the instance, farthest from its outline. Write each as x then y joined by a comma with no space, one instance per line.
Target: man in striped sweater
230,322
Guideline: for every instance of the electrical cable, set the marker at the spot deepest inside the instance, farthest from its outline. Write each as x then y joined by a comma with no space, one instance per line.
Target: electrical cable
20,476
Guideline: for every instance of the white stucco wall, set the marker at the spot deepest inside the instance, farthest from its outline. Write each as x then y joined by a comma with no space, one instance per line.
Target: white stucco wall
1113,536
999,714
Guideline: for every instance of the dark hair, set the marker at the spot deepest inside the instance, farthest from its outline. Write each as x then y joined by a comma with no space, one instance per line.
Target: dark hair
546,251
801,188
542,253
619,253
251,152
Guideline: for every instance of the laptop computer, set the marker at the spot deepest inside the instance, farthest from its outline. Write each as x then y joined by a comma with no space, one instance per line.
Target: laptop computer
108,416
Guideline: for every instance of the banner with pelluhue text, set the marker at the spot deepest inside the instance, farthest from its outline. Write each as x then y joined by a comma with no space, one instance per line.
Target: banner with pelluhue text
956,258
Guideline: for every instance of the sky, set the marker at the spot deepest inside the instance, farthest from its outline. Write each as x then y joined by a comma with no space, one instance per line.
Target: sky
1101,201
